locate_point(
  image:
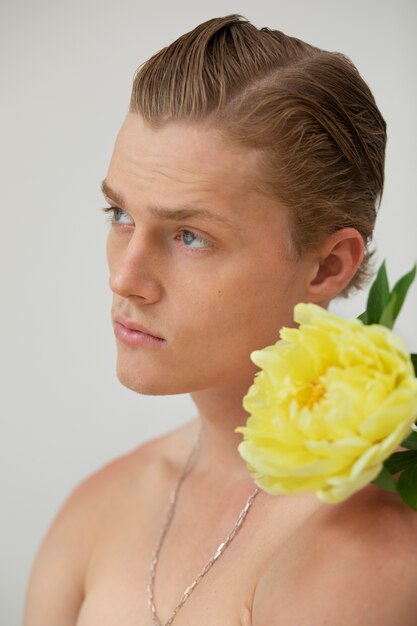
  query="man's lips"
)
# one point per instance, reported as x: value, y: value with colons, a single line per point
x: 131, y: 325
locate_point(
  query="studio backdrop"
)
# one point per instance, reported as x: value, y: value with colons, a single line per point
x: 67, y: 70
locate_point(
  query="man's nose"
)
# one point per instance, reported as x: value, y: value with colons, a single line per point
x: 135, y: 270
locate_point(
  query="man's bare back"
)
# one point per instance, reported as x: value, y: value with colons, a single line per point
x: 94, y: 564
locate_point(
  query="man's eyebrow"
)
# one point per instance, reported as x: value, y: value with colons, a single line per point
x: 170, y: 214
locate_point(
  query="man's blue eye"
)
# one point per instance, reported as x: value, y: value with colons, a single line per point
x: 195, y: 238
x: 117, y: 212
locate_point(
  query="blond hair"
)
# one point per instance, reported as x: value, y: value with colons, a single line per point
x: 320, y: 135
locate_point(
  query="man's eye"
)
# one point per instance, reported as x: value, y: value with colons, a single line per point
x: 189, y: 235
x: 117, y: 214
x: 193, y: 239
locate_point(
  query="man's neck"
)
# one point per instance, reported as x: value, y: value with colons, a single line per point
x: 220, y: 413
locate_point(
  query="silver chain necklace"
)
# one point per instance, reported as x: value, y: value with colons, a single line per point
x: 172, y: 500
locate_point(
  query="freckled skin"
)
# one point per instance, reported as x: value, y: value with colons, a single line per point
x: 215, y: 305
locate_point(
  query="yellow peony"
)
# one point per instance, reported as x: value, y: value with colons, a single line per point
x: 333, y: 401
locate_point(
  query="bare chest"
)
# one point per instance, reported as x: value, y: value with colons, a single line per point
x: 116, y: 590
x: 118, y: 595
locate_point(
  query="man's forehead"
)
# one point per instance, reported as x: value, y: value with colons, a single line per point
x: 158, y: 164
x: 186, y: 146
x: 176, y: 213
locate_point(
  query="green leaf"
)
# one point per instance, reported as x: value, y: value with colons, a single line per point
x: 401, y: 288
x: 378, y: 296
x: 387, y: 317
x: 400, y: 461
x: 414, y: 361
x: 410, y: 442
x: 363, y: 317
x: 385, y: 481
x: 407, y: 487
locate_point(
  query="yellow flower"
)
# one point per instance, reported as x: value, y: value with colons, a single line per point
x: 334, y: 400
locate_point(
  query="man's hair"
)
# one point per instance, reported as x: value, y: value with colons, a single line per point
x: 308, y: 112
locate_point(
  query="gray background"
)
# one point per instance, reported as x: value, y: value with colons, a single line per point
x: 66, y: 70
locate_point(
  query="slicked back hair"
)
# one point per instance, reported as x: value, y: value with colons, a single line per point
x: 310, y: 115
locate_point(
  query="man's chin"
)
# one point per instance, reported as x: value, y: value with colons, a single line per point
x: 142, y: 385
x: 148, y: 384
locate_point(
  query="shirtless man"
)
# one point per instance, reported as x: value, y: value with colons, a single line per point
x: 201, y: 254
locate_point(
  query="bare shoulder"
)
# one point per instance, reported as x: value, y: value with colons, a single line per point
x: 56, y: 586
x: 354, y: 563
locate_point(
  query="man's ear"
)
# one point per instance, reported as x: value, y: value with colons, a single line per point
x: 334, y: 264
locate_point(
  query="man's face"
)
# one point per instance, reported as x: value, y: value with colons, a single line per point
x: 214, y: 291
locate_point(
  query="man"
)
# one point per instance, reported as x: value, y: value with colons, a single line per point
x: 222, y: 221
